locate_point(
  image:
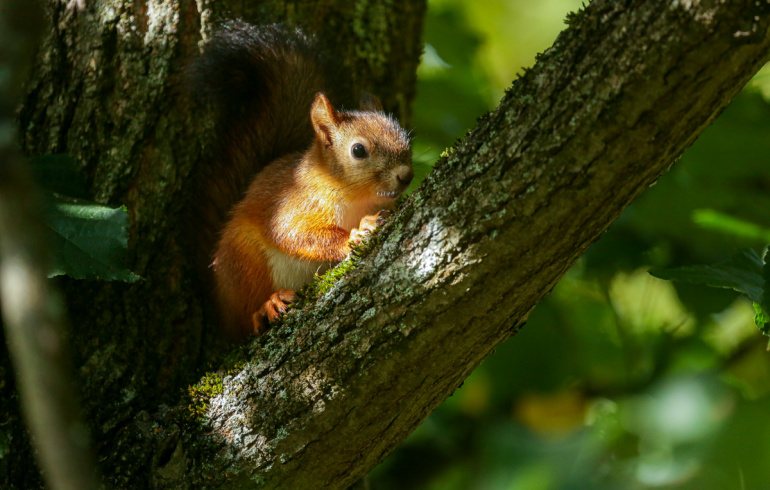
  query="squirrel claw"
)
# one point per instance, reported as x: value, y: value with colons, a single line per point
x: 272, y: 309
x: 368, y: 225
x: 382, y: 216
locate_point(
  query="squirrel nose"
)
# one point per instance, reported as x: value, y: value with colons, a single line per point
x: 404, y: 175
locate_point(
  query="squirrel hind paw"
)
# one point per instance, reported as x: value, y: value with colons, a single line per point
x: 272, y: 309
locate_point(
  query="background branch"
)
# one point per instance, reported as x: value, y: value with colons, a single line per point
x: 33, y: 313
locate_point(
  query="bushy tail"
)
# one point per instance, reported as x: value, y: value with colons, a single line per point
x: 258, y: 84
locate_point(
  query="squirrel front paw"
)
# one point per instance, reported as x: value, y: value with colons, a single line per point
x: 272, y: 309
x: 368, y: 225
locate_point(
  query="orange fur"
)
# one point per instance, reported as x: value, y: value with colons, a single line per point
x: 301, y: 211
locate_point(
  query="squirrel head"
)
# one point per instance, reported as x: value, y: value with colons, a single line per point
x: 367, y: 150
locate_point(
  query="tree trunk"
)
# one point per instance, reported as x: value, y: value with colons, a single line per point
x: 325, y: 396
x: 105, y: 91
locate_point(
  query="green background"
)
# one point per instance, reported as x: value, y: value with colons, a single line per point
x: 618, y: 380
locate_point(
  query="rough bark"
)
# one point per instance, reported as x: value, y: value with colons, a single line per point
x: 324, y: 397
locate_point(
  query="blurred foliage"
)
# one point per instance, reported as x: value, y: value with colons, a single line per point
x: 619, y: 379
x: 745, y: 272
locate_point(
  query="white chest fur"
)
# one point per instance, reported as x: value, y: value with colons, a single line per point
x: 291, y: 272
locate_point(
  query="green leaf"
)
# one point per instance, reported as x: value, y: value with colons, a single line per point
x: 742, y: 272
x: 761, y: 319
x: 89, y: 240
x: 765, y: 303
x: 61, y: 174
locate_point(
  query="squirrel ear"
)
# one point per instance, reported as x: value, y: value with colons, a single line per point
x: 325, y: 118
x: 370, y: 102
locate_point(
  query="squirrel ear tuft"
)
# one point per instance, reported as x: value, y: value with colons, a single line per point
x: 325, y: 118
x: 370, y: 102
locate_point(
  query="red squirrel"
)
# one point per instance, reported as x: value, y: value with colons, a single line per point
x: 318, y: 178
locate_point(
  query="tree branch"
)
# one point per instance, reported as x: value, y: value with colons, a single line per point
x: 323, y: 398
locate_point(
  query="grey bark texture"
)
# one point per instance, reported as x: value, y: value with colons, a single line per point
x: 328, y: 394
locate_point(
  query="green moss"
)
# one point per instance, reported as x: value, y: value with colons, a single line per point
x: 321, y: 284
x: 197, y: 397
x: 258, y: 479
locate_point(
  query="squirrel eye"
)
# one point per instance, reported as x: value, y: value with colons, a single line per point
x: 358, y: 151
